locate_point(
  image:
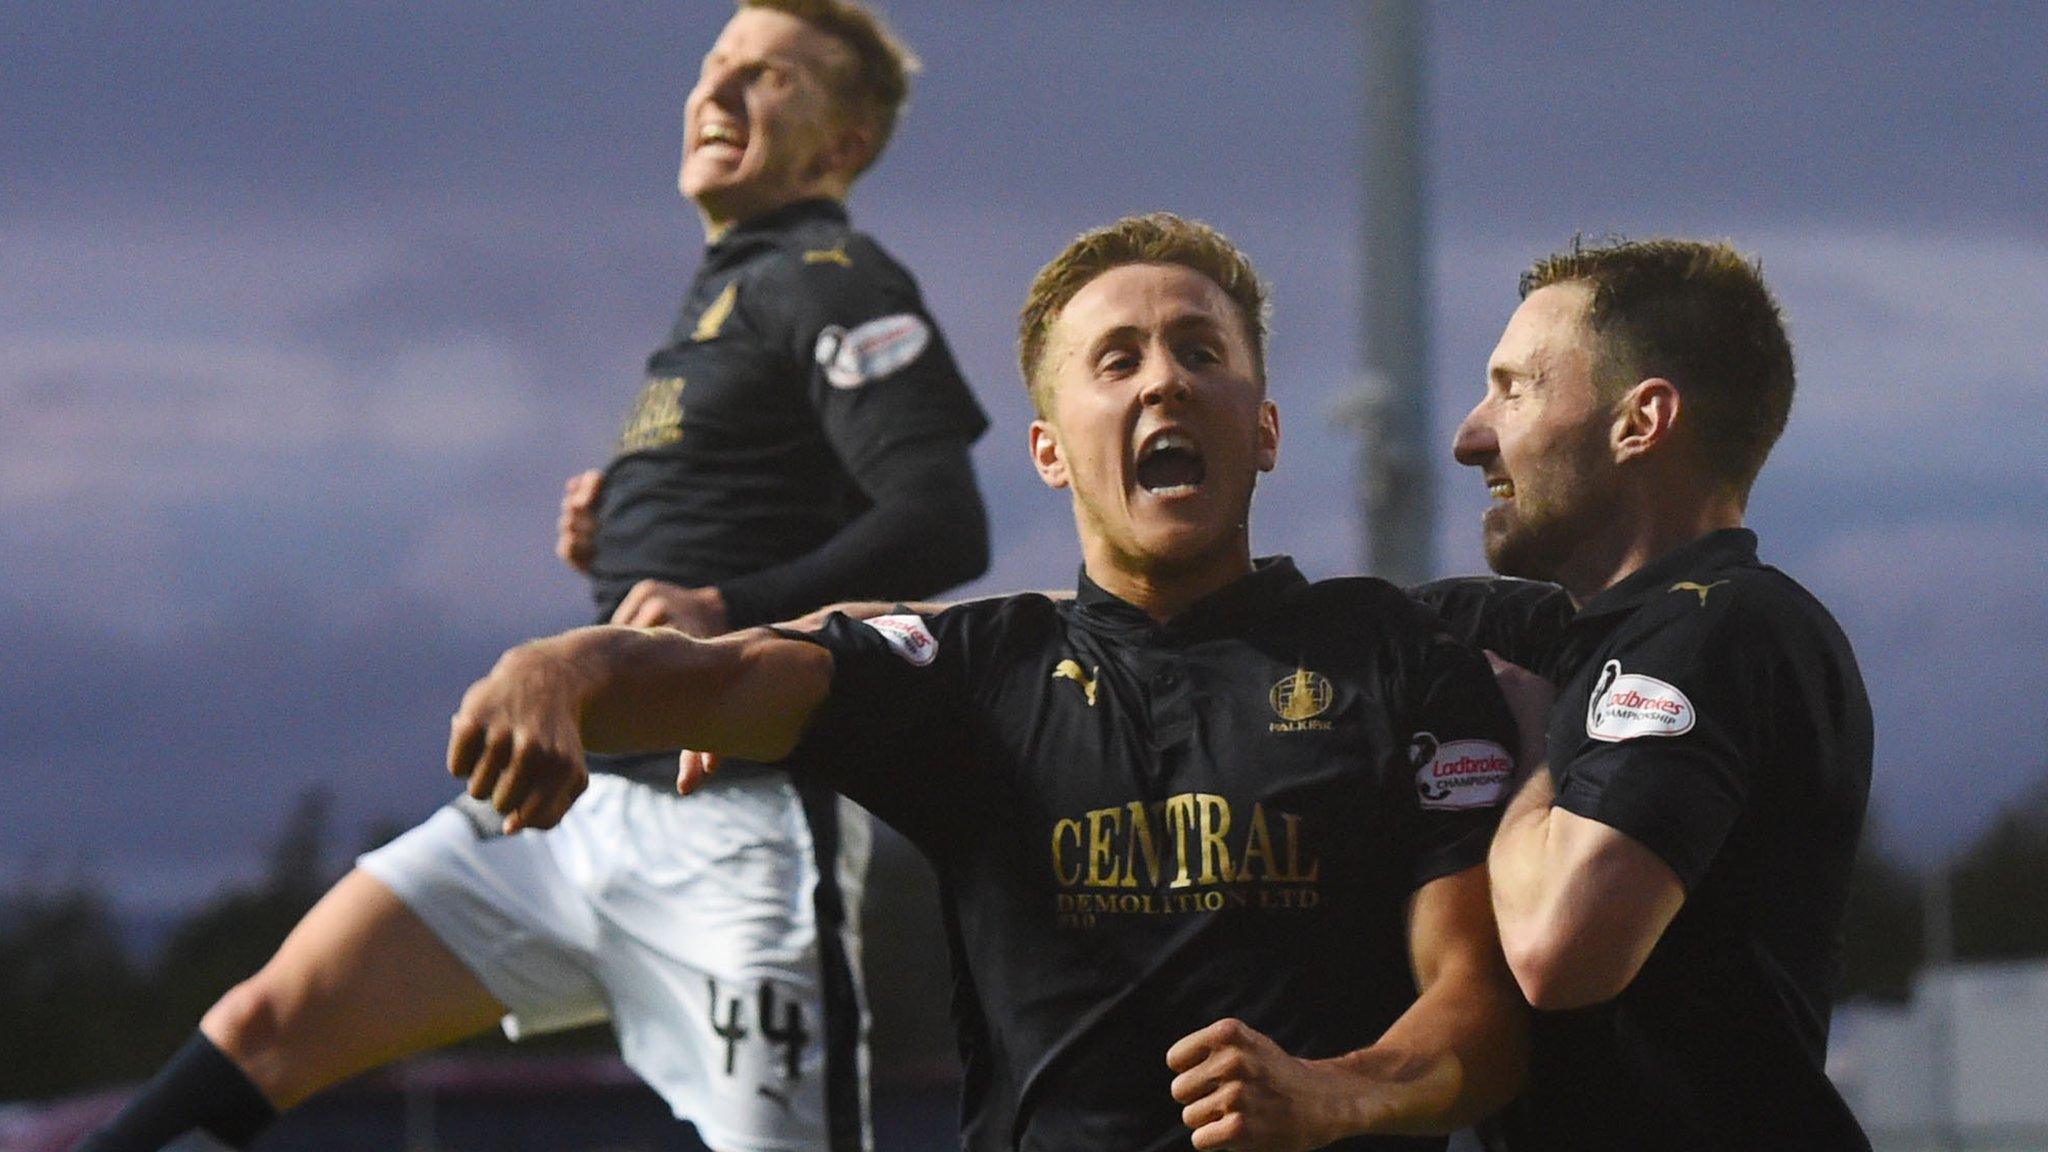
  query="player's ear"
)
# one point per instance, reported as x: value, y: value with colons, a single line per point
x: 1645, y: 418
x: 1046, y: 456
x: 1269, y: 435
x: 852, y: 147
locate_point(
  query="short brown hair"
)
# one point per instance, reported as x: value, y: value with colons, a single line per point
x: 1154, y: 238
x: 1699, y: 315
x: 875, y: 88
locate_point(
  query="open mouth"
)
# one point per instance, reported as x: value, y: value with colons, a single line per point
x: 1170, y: 464
x: 1501, y: 488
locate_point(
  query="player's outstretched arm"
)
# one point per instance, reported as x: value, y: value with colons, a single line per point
x: 864, y: 610
x: 520, y: 734
x: 869, y: 609
x: 695, y: 766
x: 1456, y: 1056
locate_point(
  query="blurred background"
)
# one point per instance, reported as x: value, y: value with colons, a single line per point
x: 306, y: 311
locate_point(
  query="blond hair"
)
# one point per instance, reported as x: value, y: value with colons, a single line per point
x: 1153, y: 238
x: 874, y: 89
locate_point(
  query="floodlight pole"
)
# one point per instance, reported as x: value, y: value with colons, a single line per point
x: 1397, y: 504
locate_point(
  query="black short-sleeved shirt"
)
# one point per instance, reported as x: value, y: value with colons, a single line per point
x: 802, y: 358
x: 1140, y: 829
x: 802, y: 355
x: 1710, y: 709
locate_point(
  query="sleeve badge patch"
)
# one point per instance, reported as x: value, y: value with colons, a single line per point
x: 871, y: 351
x: 907, y: 637
x: 1459, y: 774
x: 1625, y: 705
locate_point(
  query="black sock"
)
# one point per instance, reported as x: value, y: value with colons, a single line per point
x: 197, y: 1087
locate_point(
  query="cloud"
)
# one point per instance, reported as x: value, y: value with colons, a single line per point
x: 98, y: 562
x: 463, y: 397
x: 1949, y: 624
x: 150, y: 484
x: 1903, y: 337
x: 474, y: 570
x: 165, y: 421
x: 199, y: 385
x: 156, y: 418
x: 166, y: 457
x: 108, y: 273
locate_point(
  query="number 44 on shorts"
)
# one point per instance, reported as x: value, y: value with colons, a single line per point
x: 778, y: 1022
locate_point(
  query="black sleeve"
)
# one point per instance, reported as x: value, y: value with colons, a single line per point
x: 896, y: 411
x: 893, y: 733
x: 1665, y: 751
x: 1523, y: 621
x: 880, y: 371
x: 926, y: 531
x: 1460, y: 758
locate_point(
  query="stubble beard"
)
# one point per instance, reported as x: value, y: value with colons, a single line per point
x: 1542, y: 544
x: 1528, y: 550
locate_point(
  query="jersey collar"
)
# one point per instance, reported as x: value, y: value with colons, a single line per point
x: 1718, y: 550
x: 822, y: 209
x: 1270, y: 576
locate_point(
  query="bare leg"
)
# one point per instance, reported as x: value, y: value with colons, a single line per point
x: 359, y: 983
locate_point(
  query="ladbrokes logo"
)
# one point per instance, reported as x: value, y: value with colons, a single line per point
x: 908, y: 637
x: 1457, y: 774
x: 1625, y: 705
x: 1180, y: 855
x: 1298, y: 700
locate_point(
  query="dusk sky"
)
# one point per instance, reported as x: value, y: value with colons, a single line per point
x: 306, y: 311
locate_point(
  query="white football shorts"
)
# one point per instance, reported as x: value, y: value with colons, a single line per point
x: 691, y: 923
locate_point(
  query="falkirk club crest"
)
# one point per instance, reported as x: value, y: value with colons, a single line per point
x: 1299, y: 699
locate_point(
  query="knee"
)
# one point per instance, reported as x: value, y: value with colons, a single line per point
x: 250, y: 1022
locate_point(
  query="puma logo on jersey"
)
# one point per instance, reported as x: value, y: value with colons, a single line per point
x: 713, y: 319
x: 834, y: 255
x: 1071, y: 670
x: 1702, y: 589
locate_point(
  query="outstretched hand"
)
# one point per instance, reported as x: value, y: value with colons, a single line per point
x: 515, y: 739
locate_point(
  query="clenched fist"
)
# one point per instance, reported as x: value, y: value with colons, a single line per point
x: 515, y: 738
